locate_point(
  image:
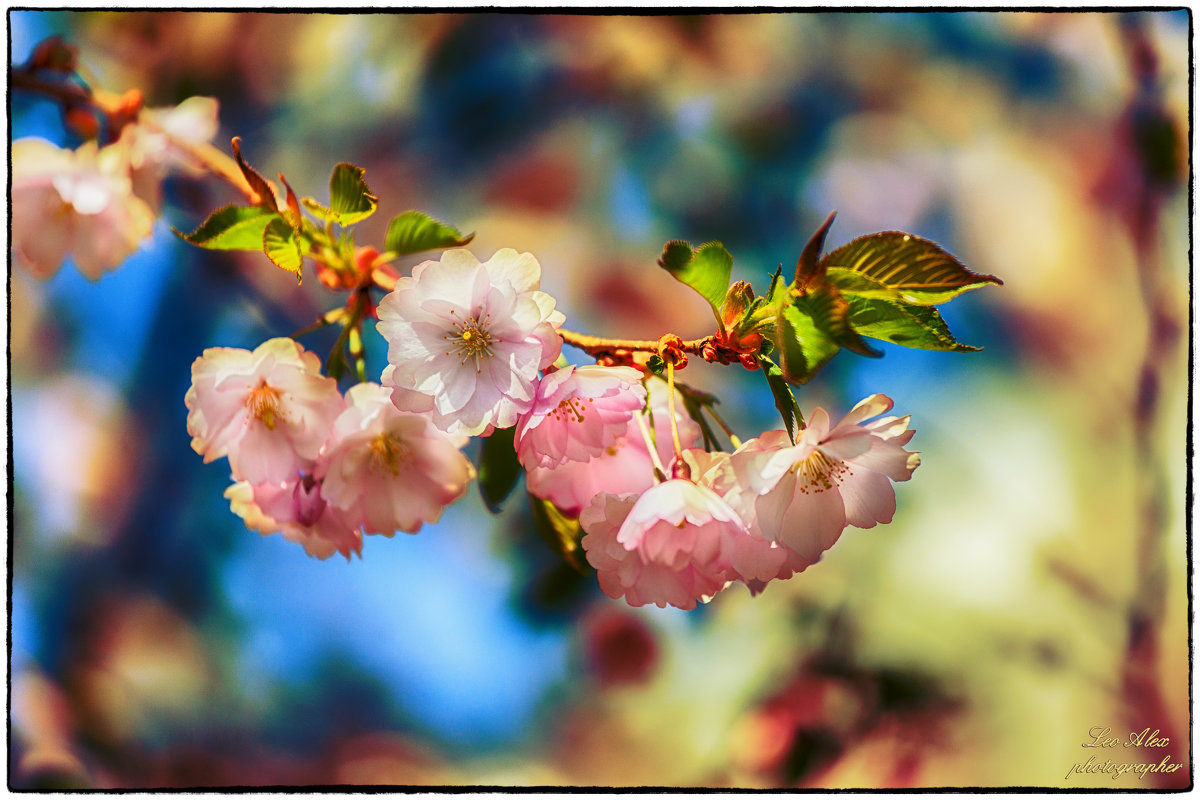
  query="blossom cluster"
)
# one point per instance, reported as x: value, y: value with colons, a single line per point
x: 466, y: 343
x: 98, y: 204
x: 320, y: 467
x: 766, y: 511
x: 473, y: 347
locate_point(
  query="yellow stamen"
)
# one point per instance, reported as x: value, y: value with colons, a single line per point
x: 571, y: 408
x: 471, y: 338
x: 388, y: 452
x: 264, y: 404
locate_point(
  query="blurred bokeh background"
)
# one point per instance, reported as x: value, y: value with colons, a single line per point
x: 1033, y: 585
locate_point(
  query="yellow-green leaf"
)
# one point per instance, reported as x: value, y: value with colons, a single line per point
x: 810, y: 328
x: 415, y: 231
x: 706, y: 269
x: 232, y: 228
x: 350, y: 199
x: 349, y: 196
x: 920, y: 327
x: 802, y: 346
x: 282, y: 246
x: 916, y: 269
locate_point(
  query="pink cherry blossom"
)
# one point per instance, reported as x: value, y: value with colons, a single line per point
x: 269, y: 411
x: 466, y: 339
x: 577, y: 413
x: 752, y: 557
x: 390, y: 469
x: 623, y: 467
x: 831, y: 477
x: 74, y: 203
x: 668, y: 546
x: 157, y: 142
x: 295, y: 511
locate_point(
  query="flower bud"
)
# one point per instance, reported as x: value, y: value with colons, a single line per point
x: 307, y: 503
x: 737, y: 299
x: 670, y: 347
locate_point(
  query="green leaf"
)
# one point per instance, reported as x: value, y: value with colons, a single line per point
x: 776, y: 286
x: 282, y: 246
x: 350, y: 199
x: 563, y: 533
x: 349, y: 196
x: 849, y: 282
x: 232, y: 228
x: 706, y: 269
x: 916, y: 269
x: 317, y: 210
x: 920, y: 327
x: 499, y: 468
x: 830, y: 311
x: 810, y: 328
x: 414, y: 231
x: 785, y: 401
x: 803, y: 347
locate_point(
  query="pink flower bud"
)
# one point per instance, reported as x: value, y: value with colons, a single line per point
x: 307, y: 503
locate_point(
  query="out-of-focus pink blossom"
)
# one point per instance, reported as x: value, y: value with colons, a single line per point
x: 390, y: 469
x: 466, y: 339
x: 623, y: 467
x: 577, y: 413
x: 830, y: 478
x: 280, y: 508
x: 669, y: 546
x: 74, y: 203
x: 269, y: 411
x: 158, y: 141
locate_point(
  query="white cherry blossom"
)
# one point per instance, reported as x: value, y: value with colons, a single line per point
x: 466, y: 339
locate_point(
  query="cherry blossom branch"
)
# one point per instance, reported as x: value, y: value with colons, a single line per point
x: 67, y: 94
x: 602, y: 345
x: 75, y: 96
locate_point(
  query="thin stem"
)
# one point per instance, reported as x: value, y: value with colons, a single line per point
x: 328, y: 318
x: 659, y: 469
x: 671, y: 411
